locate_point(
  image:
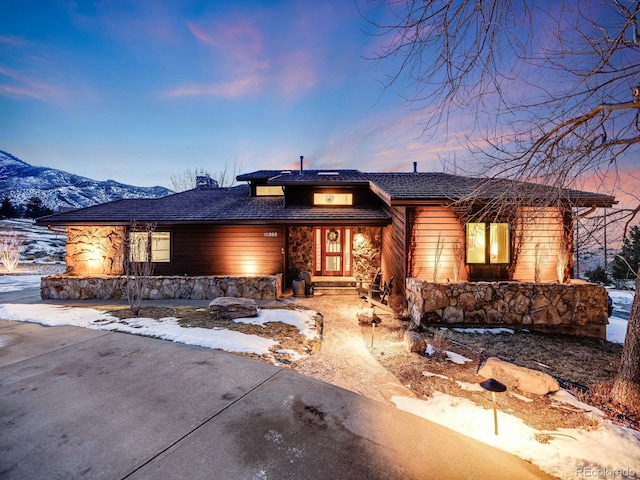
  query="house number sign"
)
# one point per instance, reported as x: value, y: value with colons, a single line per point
x: 270, y: 234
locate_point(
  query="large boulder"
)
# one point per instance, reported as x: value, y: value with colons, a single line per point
x: 523, y: 379
x: 228, y: 308
x: 414, y: 342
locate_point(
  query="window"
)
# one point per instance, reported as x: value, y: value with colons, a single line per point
x: 488, y: 243
x: 269, y: 191
x: 330, y: 198
x: 160, y: 246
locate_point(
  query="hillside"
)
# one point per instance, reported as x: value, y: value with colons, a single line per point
x: 61, y: 190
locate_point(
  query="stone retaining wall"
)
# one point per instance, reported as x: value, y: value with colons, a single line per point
x: 194, y: 288
x: 576, y: 308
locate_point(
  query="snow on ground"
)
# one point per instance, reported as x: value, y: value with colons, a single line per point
x: 304, y: 321
x: 617, y: 327
x: 164, y: 328
x: 15, y: 283
x: 569, y: 453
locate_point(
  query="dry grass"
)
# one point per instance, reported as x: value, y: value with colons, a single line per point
x: 580, y: 361
x: 190, y: 317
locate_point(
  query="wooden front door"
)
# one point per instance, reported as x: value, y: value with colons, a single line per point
x: 332, y: 248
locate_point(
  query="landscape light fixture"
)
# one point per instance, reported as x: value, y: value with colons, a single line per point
x: 375, y: 320
x: 494, y: 386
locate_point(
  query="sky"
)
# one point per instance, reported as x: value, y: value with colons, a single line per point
x: 610, y: 448
x: 139, y: 91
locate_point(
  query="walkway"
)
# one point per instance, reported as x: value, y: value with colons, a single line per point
x: 344, y: 360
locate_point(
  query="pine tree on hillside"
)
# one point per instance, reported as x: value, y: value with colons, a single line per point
x: 36, y: 208
x: 626, y: 267
x: 7, y: 210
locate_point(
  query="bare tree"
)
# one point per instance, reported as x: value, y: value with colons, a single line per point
x: 551, y: 89
x: 225, y: 177
x: 138, y: 263
x: 11, y: 243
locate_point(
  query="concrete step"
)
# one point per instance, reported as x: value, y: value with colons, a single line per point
x: 335, y: 290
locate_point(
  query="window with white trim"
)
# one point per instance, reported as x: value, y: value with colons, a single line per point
x: 160, y: 246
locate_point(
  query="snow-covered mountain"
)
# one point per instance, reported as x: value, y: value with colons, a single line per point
x: 58, y: 189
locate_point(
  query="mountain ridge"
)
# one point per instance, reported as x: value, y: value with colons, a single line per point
x: 59, y: 190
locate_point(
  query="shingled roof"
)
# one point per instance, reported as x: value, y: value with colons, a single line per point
x: 236, y: 206
x: 216, y: 205
x: 398, y: 188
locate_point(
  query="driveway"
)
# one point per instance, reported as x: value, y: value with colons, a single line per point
x: 79, y: 403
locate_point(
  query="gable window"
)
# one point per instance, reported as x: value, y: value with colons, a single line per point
x: 160, y: 246
x: 488, y: 243
x: 269, y: 191
x: 332, y: 198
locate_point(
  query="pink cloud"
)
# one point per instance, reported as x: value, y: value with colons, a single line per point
x: 240, y: 87
x: 12, y: 40
x: 297, y: 73
x: 24, y: 86
x: 240, y: 43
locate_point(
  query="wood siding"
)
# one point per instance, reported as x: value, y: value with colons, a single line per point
x: 437, y: 233
x: 534, y: 230
x: 224, y: 250
x: 394, y: 252
x: 540, y: 229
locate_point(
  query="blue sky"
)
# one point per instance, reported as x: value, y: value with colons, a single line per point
x: 142, y: 90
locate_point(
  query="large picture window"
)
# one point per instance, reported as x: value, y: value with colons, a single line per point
x: 160, y: 246
x: 488, y: 243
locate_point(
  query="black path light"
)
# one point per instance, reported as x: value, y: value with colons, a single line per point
x: 375, y: 320
x: 494, y: 386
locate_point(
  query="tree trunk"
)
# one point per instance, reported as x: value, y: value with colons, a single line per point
x: 626, y: 389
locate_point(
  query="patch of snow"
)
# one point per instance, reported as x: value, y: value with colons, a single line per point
x: 293, y: 355
x: 471, y: 387
x: 15, y: 283
x: 165, y: 328
x: 430, y: 350
x: 564, y: 396
x: 303, y: 320
x: 494, y: 331
x: 520, y: 397
x: 610, y: 447
x: 457, y: 358
x: 431, y: 374
x: 617, y: 329
x: 621, y: 297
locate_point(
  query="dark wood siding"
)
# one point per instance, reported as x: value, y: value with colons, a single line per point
x: 394, y: 252
x: 303, y: 195
x: 224, y: 250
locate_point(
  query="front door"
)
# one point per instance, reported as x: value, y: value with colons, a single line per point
x: 332, y: 251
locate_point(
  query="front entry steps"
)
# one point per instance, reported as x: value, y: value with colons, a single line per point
x: 335, y: 285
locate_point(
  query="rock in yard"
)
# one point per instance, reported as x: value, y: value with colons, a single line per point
x: 513, y: 376
x: 413, y: 342
x: 228, y: 308
x: 367, y: 315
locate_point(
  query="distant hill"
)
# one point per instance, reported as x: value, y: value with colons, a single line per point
x: 62, y: 190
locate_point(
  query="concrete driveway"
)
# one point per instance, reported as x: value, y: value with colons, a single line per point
x: 79, y: 403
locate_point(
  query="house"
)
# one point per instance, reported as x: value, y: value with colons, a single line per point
x: 340, y: 223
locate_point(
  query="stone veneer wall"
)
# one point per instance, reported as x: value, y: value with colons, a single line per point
x: 93, y: 250
x: 367, y: 242
x: 300, y: 251
x: 576, y: 308
x: 194, y: 288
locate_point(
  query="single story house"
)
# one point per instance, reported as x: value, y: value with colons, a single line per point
x: 343, y: 224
